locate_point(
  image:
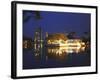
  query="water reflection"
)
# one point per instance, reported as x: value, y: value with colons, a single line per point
x: 62, y: 50
x: 55, y: 56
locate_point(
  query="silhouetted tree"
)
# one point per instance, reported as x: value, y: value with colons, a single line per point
x: 86, y: 37
x: 72, y: 35
x: 37, y: 15
x: 34, y: 14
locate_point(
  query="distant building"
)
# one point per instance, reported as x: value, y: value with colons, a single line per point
x: 61, y: 40
x: 46, y: 34
x: 38, y: 42
x: 27, y: 43
x: 55, y: 39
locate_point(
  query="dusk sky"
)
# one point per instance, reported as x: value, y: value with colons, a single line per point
x: 56, y: 22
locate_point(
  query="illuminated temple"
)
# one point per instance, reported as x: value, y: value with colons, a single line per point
x: 63, y: 44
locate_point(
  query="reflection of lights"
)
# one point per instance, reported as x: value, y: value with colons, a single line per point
x: 78, y: 45
x: 65, y: 49
x: 70, y: 51
x: 36, y: 54
x: 68, y: 46
x: 83, y: 48
x: 61, y: 50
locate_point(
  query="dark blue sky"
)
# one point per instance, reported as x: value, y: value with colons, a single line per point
x: 54, y: 22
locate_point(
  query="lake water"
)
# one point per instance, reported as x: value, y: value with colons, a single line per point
x: 53, y: 57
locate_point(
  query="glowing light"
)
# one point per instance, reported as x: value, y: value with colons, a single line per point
x: 68, y: 46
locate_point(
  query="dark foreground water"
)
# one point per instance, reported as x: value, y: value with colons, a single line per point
x: 48, y: 57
